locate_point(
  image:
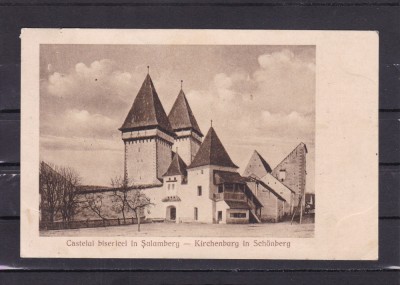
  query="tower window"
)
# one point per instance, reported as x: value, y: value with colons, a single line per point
x: 282, y: 175
x: 199, y: 191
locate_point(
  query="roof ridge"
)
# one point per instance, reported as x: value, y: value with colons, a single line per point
x: 181, y: 115
x: 278, y: 181
x: 264, y: 162
x: 269, y: 188
x: 212, y: 152
x: 178, y: 164
x: 190, y: 112
x: 289, y: 154
x: 147, y: 110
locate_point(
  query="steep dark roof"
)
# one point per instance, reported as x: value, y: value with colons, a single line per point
x: 265, y: 164
x: 147, y: 110
x: 212, y: 152
x: 177, y: 167
x: 257, y: 166
x: 181, y: 116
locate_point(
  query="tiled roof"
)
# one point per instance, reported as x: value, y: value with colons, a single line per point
x: 262, y: 183
x: 237, y: 205
x: 87, y: 189
x: 212, y: 152
x: 93, y: 188
x: 269, y: 175
x: 181, y: 116
x: 257, y: 166
x: 147, y: 110
x: 177, y: 167
x: 221, y: 177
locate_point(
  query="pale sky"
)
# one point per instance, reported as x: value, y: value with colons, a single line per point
x: 259, y: 97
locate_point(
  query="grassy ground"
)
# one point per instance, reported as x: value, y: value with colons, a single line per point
x: 283, y: 230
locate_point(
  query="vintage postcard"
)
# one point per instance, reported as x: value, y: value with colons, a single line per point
x: 225, y: 144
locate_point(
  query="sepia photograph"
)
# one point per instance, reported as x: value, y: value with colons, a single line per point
x: 216, y: 144
x: 161, y: 140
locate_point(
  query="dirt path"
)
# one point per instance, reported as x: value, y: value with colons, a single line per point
x: 283, y: 230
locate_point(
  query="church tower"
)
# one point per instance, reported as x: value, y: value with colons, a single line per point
x: 148, y: 138
x: 188, y: 135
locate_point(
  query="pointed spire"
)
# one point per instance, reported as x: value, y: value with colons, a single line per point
x: 181, y: 116
x: 181, y: 84
x: 212, y: 152
x: 177, y: 166
x: 147, y: 111
x: 148, y: 70
x: 257, y: 166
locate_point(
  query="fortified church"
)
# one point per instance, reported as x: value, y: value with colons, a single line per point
x: 191, y: 178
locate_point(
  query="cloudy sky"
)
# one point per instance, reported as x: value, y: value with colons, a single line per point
x: 259, y: 97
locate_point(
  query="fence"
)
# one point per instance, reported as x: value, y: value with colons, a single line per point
x: 229, y: 196
x: 89, y: 223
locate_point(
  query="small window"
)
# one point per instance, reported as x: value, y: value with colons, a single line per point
x: 196, y: 214
x: 173, y: 186
x: 282, y: 175
x: 169, y: 185
x: 220, y: 188
x: 201, y: 171
x: 238, y: 215
x: 199, y: 191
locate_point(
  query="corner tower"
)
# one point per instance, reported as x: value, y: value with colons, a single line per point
x: 148, y: 137
x: 188, y: 135
x: 213, y: 153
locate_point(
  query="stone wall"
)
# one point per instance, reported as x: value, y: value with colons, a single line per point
x: 292, y: 171
x: 141, y: 163
x: 164, y: 156
x: 187, y: 145
x: 270, y: 211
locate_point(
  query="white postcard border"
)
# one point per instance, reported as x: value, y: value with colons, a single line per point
x: 346, y: 153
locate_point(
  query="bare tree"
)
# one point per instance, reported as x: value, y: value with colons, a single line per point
x: 129, y: 198
x: 120, y: 195
x: 95, y: 203
x: 58, y: 192
x: 68, y: 196
x: 49, y: 190
x: 137, y: 201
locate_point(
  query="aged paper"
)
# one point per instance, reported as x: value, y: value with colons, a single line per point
x: 225, y: 144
